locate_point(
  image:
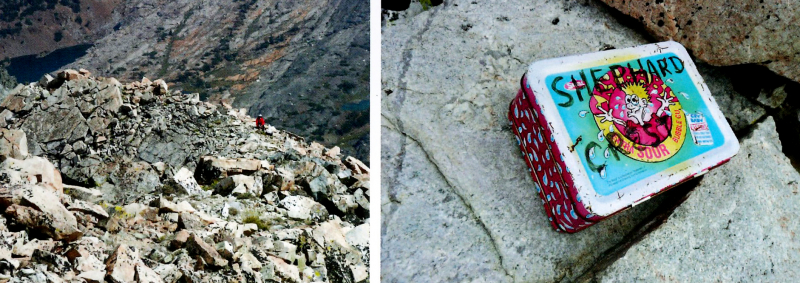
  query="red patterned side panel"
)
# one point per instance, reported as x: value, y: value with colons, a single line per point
x: 543, y: 167
x: 565, y: 174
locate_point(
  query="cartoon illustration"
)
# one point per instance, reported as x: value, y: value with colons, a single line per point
x: 637, y: 108
x: 644, y: 111
x: 634, y: 119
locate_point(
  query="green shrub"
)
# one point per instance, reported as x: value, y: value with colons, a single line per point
x: 168, y: 188
x: 346, y: 86
x: 252, y: 216
x: 425, y: 4
x: 245, y: 196
x: 211, y: 186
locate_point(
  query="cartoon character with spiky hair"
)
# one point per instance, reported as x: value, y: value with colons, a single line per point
x: 636, y: 102
x: 638, y: 114
x: 641, y: 119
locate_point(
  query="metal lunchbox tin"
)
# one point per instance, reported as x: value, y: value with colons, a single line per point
x: 605, y: 131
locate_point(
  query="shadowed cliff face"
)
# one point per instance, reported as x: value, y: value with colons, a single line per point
x: 302, y: 64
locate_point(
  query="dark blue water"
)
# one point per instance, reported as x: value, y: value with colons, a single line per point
x: 358, y: 106
x: 29, y: 68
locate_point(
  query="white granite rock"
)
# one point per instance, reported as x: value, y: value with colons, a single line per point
x: 185, y: 179
x: 457, y: 201
x: 304, y: 208
x: 739, y: 224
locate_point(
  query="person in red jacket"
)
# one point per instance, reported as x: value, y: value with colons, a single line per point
x: 260, y: 122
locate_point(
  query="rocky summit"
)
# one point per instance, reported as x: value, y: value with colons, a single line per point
x: 105, y: 181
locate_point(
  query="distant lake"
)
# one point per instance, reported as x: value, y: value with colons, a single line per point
x: 29, y: 68
x: 357, y: 106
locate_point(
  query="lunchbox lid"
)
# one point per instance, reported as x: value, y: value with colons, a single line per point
x: 630, y: 122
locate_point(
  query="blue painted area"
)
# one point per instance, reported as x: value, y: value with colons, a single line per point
x: 31, y: 68
x: 626, y: 171
x: 362, y: 105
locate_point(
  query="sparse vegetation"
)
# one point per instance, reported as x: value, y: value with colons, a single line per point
x: 74, y: 5
x: 120, y: 212
x: 165, y: 60
x: 168, y: 188
x: 425, y: 4
x: 210, y: 186
x: 12, y: 10
x: 353, y: 120
x: 9, y: 31
x: 162, y: 238
x: 252, y: 216
x: 151, y: 54
x: 245, y: 196
x: 346, y: 86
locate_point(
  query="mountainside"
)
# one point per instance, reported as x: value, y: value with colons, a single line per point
x: 136, y: 182
x: 42, y: 26
x: 302, y: 64
x: 299, y: 63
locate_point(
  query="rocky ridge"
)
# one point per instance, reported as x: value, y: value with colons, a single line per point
x: 101, y: 180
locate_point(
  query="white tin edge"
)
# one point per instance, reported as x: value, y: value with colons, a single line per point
x: 632, y: 194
